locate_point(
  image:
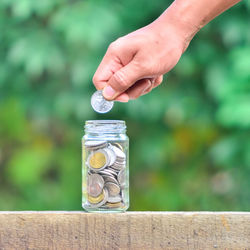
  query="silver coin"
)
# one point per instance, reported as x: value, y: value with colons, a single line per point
x: 95, y: 184
x: 110, y: 179
x: 118, y: 167
x: 116, y: 144
x: 101, y: 203
x: 114, y: 199
x: 112, y: 156
x: 120, y: 155
x: 122, y: 177
x: 111, y: 171
x: 100, y: 104
x: 113, y: 189
x: 105, y: 173
x: 95, y: 144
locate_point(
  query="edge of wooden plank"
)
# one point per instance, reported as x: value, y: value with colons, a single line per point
x: 129, y: 230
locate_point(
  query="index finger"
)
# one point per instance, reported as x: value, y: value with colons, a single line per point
x: 105, y: 70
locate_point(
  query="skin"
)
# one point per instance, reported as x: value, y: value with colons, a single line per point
x: 135, y: 63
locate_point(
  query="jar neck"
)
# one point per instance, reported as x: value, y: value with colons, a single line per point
x: 100, y: 127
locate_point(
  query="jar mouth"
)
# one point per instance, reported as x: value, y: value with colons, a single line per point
x: 105, y: 126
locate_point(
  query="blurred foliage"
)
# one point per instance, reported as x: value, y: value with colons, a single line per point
x: 190, y: 147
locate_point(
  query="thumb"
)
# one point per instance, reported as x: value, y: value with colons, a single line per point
x: 123, y: 79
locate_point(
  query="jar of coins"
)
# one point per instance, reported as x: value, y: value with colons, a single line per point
x: 105, y: 172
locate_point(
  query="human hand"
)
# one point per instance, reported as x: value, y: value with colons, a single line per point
x: 134, y: 64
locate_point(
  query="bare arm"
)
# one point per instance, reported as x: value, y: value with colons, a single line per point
x: 134, y: 64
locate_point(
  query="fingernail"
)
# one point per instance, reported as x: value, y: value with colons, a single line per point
x: 108, y: 92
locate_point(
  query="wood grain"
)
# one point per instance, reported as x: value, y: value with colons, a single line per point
x: 131, y: 230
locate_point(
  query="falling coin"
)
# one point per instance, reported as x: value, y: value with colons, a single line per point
x: 100, y: 104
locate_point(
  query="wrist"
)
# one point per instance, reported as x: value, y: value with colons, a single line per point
x: 180, y: 18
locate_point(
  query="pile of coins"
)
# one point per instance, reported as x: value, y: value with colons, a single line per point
x: 106, y: 177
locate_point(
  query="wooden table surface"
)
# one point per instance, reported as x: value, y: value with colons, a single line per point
x: 130, y: 230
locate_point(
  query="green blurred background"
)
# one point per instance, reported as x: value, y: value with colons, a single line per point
x: 189, y: 138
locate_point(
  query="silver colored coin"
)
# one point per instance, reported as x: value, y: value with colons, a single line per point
x: 114, y: 199
x: 112, y: 156
x: 110, y: 179
x: 105, y: 173
x: 116, y: 144
x: 122, y: 177
x: 111, y: 171
x: 95, y: 184
x: 100, y: 104
x: 118, y: 167
x: 120, y: 155
x: 95, y: 144
x: 113, y: 189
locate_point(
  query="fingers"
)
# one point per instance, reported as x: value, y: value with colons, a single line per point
x: 105, y: 70
x: 122, y: 98
x: 122, y: 79
x: 138, y: 88
x: 156, y: 82
x: 118, y: 54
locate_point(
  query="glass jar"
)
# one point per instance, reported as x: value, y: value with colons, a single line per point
x: 105, y: 166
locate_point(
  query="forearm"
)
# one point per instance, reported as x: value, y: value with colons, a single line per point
x: 191, y: 15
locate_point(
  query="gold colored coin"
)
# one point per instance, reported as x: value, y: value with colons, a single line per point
x: 95, y: 200
x: 97, y: 160
x: 114, y: 205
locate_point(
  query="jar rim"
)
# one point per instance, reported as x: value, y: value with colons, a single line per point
x: 118, y: 122
x: 105, y: 126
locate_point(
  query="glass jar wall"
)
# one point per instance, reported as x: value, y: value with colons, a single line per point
x: 105, y: 166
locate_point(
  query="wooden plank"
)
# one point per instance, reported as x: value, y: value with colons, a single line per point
x: 131, y: 230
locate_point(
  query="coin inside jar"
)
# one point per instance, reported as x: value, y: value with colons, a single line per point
x: 96, y: 200
x: 114, y: 205
x: 95, y: 144
x: 121, y: 177
x: 98, y: 160
x: 108, y: 178
x: 95, y: 184
x: 112, y: 156
x: 114, y: 199
x: 117, y: 145
x: 113, y: 189
x: 120, y: 155
x: 100, y: 200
